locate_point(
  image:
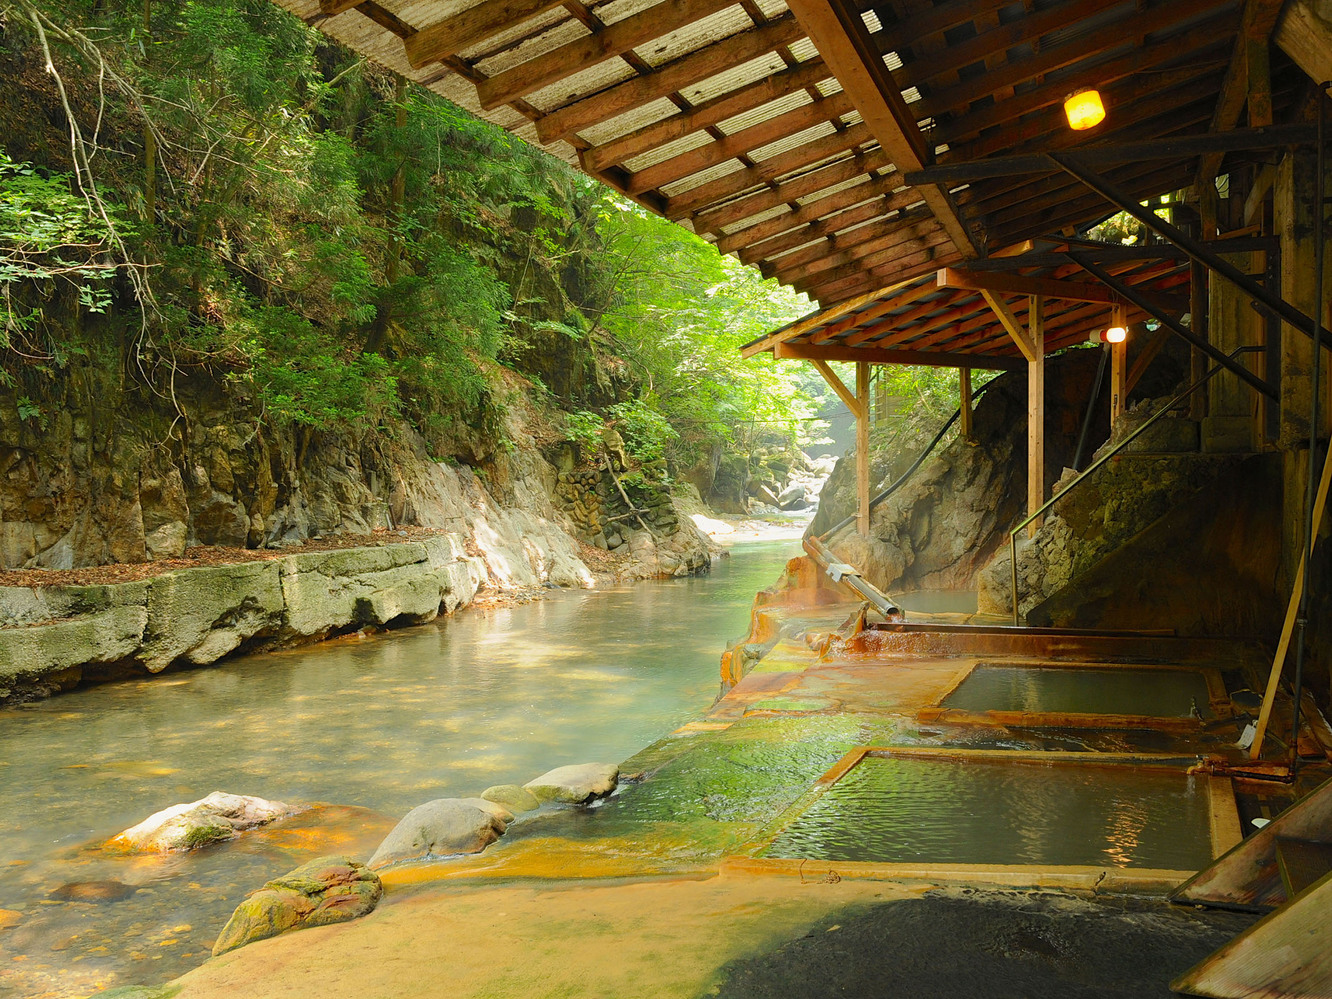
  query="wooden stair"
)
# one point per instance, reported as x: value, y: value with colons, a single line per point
x: 1285, y: 868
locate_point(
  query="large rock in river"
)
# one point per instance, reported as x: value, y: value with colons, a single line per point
x: 577, y: 784
x: 444, y: 827
x: 220, y: 816
x: 325, y: 890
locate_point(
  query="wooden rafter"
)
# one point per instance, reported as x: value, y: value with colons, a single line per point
x: 875, y: 356
x: 1256, y: 24
x: 698, y: 65
x: 841, y: 37
x: 444, y: 38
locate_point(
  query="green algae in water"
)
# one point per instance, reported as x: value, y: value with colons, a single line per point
x: 890, y: 810
x: 1155, y: 693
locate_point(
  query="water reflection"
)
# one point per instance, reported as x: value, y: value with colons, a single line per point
x: 381, y: 724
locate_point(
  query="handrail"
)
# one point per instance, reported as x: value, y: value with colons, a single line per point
x: 1012, y: 535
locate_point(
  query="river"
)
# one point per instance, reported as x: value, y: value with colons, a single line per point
x: 374, y: 726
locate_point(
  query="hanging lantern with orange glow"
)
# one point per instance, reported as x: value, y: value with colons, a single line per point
x: 1084, y: 109
x: 1115, y: 334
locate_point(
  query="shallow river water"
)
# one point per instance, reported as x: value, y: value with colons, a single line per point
x: 380, y: 724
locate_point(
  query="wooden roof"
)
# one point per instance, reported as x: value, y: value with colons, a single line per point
x: 785, y: 134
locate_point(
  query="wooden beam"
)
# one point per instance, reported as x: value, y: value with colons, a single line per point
x: 811, y: 321
x: 1256, y: 24
x: 1036, y: 411
x: 710, y: 193
x: 874, y: 355
x: 708, y: 61
x: 1005, y: 112
x: 1178, y: 147
x: 865, y: 249
x: 453, y: 34
x: 821, y: 178
x: 1049, y: 58
x: 821, y: 210
x: 1015, y: 284
x: 965, y: 428
x: 583, y: 53
x: 1118, y: 367
x: 709, y: 113
x: 1304, y: 34
x: 1019, y: 335
x: 737, y: 144
x: 837, y: 385
x: 839, y: 33
x: 896, y: 260
x: 862, y: 450
x: 905, y: 209
x: 332, y: 8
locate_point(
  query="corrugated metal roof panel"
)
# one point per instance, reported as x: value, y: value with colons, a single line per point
x: 695, y: 36
x: 823, y: 128
x: 734, y: 78
x: 580, y: 85
x: 630, y: 121
x: 713, y: 173
x: 533, y: 48
x: 773, y: 109
x: 693, y: 140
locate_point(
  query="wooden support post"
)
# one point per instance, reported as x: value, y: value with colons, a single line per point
x: 1118, y: 367
x: 1036, y: 411
x: 1199, y: 307
x: 964, y: 390
x: 862, y: 450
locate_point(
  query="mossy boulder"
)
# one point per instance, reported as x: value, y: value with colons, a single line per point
x: 323, y: 891
x: 575, y: 785
x: 189, y: 826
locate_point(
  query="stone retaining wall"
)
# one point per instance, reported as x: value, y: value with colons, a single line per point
x: 60, y: 635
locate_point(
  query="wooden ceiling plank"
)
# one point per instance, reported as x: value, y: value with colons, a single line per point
x: 864, y: 271
x: 732, y: 184
x: 453, y: 34
x: 956, y: 130
x: 1107, y: 153
x: 870, y: 252
x: 1078, y: 291
x: 809, y: 213
x: 713, y: 219
x: 812, y: 320
x: 738, y: 143
x: 875, y: 312
x: 771, y: 250
x: 1047, y: 60
x: 840, y: 35
x: 876, y: 356
x: 864, y: 236
x: 868, y: 256
x: 891, y: 323
x: 840, y: 286
x: 987, y: 44
x: 708, y: 113
x: 679, y: 74
x: 583, y: 53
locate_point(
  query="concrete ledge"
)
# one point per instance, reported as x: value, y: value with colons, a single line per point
x: 200, y: 615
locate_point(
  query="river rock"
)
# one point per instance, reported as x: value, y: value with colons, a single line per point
x: 511, y: 796
x: 444, y: 827
x: 325, y: 890
x: 93, y: 891
x: 220, y: 816
x: 575, y: 785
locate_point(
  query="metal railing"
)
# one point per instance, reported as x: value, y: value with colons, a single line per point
x: 1172, y: 404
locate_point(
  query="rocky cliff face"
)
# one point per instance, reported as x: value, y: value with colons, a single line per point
x: 952, y: 515
x: 109, y: 479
